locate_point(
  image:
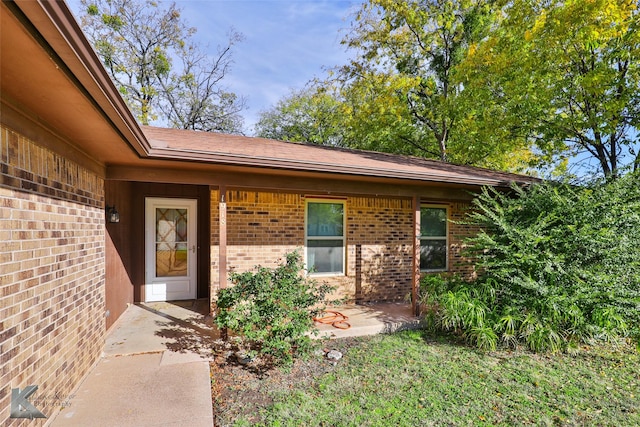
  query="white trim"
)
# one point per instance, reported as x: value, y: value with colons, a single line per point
x: 335, y: 201
x: 178, y: 287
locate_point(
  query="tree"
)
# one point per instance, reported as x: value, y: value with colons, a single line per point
x: 307, y: 115
x: 564, y: 75
x: 401, y: 93
x: 193, y: 98
x: 375, y: 116
x: 417, y: 45
x: 138, y: 42
x: 366, y: 114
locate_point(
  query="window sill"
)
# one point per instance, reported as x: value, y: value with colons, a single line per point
x: 336, y: 274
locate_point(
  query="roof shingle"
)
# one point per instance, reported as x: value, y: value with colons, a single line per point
x: 216, y: 148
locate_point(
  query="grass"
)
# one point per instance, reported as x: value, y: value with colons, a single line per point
x: 405, y: 379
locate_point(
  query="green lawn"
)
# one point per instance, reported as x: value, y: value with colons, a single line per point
x: 407, y: 379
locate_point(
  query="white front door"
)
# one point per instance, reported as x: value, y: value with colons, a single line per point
x: 170, y: 249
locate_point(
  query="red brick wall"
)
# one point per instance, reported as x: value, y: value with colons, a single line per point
x: 52, y: 247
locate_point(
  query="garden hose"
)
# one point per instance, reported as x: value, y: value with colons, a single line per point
x: 333, y: 318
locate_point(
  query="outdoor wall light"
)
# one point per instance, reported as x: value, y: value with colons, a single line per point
x: 112, y: 214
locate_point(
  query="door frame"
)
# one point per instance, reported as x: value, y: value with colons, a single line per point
x: 150, y: 204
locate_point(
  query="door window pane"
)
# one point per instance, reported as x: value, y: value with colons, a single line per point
x: 171, y: 242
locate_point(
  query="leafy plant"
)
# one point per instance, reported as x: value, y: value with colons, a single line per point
x: 272, y: 309
x: 559, y: 265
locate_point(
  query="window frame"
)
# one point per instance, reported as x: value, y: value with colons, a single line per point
x: 444, y: 238
x: 342, y: 202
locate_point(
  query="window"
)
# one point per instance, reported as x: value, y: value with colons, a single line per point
x: 433, y: 238
x: 324, y: 236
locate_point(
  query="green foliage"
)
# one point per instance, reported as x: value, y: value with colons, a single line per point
x: 309, y: 115
x: 93, y: 10
x: 272, y: 309
x: 560, y: 265
x: 511, y: 85
x: 564, y: 75
x: 420, y: 44
x: 162, y: 74
x: 400, y: 92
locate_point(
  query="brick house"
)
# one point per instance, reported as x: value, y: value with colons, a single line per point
x: 97, y: 212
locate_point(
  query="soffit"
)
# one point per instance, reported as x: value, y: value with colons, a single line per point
x: 42, y: 75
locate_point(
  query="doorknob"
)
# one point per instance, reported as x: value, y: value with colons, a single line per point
x: 193, y: 249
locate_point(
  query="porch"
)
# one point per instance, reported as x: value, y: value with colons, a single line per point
x: 185, y: 328
x: 369, y: 319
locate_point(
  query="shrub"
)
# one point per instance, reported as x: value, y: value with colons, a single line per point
x: 560, y: 265
x: 272, y: 309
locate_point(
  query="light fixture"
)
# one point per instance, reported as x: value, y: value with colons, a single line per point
x: 112, y: 214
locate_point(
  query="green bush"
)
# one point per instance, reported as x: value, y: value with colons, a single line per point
x: 272, y: 309
x: 560, y: 265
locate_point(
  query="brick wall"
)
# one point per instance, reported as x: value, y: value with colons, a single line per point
x: 263, y: 226
x: 380, y: 248
x: 51, y: 273
x: 458, y: 263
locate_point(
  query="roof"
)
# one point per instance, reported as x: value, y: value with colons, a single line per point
x: 267, y: 153
x: 50, y: 72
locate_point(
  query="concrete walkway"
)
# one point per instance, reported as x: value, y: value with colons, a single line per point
x: 155, y: 371
x: 155, y: 367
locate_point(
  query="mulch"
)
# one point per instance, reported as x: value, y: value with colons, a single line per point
x: 243, y: 390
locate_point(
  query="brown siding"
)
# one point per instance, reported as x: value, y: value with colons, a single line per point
x: 119, y: 280
x: 52, y: 272
x: 135, y: 239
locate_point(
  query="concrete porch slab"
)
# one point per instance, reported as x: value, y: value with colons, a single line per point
x: 371, y: 319
x: 139, y: 391
x: 178, y: 326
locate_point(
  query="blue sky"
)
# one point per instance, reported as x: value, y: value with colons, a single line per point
x: 287, y: 42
